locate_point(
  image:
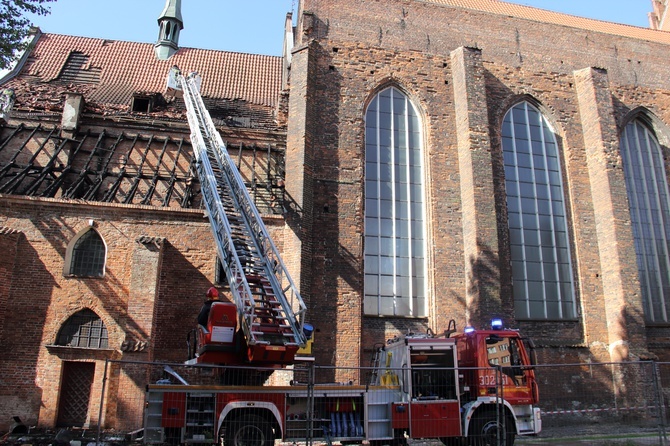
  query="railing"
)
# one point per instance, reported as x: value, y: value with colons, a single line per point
x: 597, y: 404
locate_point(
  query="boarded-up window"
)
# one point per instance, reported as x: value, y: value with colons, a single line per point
x: 395, y: 242
x: 649, y: 199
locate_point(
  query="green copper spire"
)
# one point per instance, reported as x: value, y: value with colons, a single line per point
x: 170, y: 23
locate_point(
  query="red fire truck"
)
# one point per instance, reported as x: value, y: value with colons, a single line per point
x: 475, y: 387
x: 478, y: 385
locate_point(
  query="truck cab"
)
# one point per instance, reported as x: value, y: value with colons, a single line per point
x: 497, y: 366
x: 478, y: 384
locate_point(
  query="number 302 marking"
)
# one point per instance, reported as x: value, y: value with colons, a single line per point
x: 490, y: 380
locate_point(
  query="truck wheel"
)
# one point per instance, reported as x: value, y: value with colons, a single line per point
x: 399, y: 438
x: 249, y: 430
x: 485, y: 429
x: 452, y: 441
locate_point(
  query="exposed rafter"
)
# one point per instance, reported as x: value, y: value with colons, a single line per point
x: 153, y: 170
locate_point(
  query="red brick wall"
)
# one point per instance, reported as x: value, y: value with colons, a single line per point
x: 300, y: 163
x: 9, y: 241
x: 148, y: 300
x: 358, y: 47
x: 453, y: 63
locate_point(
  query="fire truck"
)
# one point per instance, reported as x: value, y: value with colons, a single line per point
x: 475, y: 386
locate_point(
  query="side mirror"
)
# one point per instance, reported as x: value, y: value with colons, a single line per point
x: 531, y: 350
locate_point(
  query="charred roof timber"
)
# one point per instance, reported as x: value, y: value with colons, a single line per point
x: 150, y: 170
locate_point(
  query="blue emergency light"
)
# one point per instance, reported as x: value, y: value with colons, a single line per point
x: 496, y: 324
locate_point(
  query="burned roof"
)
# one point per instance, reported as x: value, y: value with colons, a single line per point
x: 125, y: 168
x: 111, y: 73
x: 135, y: 159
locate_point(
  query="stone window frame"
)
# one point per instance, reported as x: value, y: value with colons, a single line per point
x: 395, y: 294
x: 656, y: 311
x: 544, y: 268
x: 97, y: 263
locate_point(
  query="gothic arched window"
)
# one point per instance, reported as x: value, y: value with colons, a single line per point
x: 83, y: 329
x: 647, y: 188
x: 539, y: 238
x: 395, y: 243
x: 86, y: 255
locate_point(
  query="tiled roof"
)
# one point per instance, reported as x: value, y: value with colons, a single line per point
x: 557, y: 18
x: 128, y: 67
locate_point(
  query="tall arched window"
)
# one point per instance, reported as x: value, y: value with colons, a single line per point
x: 541, y: 263
x: 395, y: 245
x: 86, y: 255
x: 83, y: 329
x: 650, y: 215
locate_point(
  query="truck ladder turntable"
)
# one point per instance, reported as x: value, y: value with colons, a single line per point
x: 269, y: 306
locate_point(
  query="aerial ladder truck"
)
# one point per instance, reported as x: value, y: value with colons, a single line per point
x: 265, y: 324
x: 477, y: 387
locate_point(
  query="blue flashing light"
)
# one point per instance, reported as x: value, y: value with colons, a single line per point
x: 469, y: 329
x: 496, y: 324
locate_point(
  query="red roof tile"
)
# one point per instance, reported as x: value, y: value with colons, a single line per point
x: 127, y: 67
x: 557, y: 18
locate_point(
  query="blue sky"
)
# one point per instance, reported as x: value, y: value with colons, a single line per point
x: 252, y: 26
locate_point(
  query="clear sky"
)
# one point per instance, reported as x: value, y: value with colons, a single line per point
x: 252, y: 26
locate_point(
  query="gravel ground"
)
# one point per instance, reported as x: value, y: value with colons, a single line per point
x: 594, y: 435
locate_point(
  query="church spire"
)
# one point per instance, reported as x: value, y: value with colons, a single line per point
x: 170, y: 23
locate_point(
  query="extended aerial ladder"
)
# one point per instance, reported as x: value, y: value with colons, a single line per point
x: 269, y: 307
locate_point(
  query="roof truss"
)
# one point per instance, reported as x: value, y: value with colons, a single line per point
x: 124, y: 168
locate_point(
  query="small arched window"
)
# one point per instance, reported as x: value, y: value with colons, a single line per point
x: 86, y: 255
x: 83, y: 329
x: 649, y: 203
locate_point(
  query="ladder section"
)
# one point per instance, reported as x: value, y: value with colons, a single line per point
x: 270, y: 308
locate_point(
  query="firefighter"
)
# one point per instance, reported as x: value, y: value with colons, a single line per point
x: 212, y: 296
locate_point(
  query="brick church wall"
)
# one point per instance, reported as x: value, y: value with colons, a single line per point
x: 463, y: 70
x: 145, y: 300
x: 360, y: 47
x: 9, y: 242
